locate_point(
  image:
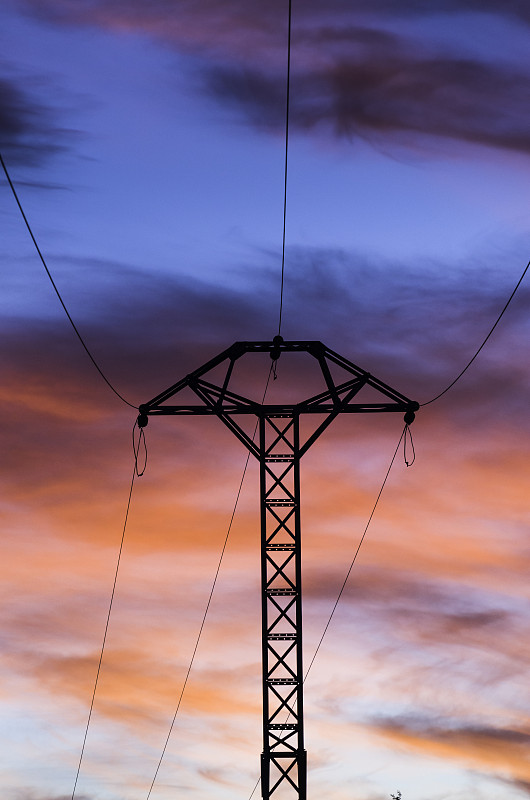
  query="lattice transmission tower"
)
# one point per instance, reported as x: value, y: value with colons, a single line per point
x: 279, y: 448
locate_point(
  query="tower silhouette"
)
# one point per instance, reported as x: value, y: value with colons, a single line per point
x: 279, y: 448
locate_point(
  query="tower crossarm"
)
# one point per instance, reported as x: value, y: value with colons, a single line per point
x: 216, y: 398
x: 190, y: 409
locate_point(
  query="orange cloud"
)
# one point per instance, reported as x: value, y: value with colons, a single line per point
x: 499, y: 752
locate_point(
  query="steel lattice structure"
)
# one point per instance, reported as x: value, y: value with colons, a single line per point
x: 279, y: 449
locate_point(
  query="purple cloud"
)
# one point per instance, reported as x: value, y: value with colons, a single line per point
x: 28, y: 134
x: 351, y: 75
x: 412, y: 329
x: 389, y: 94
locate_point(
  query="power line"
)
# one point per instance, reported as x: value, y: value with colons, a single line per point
x: 220, y: 561
x: 285, y: 172
x: 271, y: 372
x: 106, y: 627
x: 356, y: 552
x: 48, y: 273
x: 483, y: 343
x: 214, y: 583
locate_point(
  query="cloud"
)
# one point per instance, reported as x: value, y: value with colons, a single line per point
x: 421, y: 316
x: 28, y: 134
x: 351, y: 75
x: 141, y: 686
x: 31, y: 794
x: 523, y: 786
x: 515, y: 8
x: 421, y: 609
x: 390, y: 96
x: 496, y: 750
x: 161, y: 17
x: 410, y: 330
x: 67, y: 458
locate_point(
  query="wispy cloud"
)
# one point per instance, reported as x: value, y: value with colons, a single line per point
x: 352, y: 76
x: 494, y: 749
x: 424, y: 315
x: 162, y: 17
x: 29, y: 133
x: 390, y: 95
x: 31, y: 794
x: 432, y: 601
x: 413, y: 329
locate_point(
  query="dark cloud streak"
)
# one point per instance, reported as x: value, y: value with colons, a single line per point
x: 392, y: 96
x: 411, y: 328
x: 351, y: 74
x: 518, y: 9
x: 436, y: 729
x: 27, y: 132
x: 258, y: 15
x: 30, y: 794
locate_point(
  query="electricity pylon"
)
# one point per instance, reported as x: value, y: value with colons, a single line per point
x: 279, y: 448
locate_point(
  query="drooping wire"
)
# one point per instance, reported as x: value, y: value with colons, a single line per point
x: 345, y: 581
x: 48, y: 273
x: 285, y: 171
x: 199, y: 635
x: 214, y: 583
x: 106, y: 630
x: 141, y: 444
x: 356, y: 553
x: 483, y: 343
x: 272, y: 372
x: 407, y: 436
x: 254, y: 789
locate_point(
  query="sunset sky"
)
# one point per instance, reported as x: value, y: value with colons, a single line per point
x: 146, y: 143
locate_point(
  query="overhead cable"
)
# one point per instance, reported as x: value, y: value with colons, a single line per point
x: 106, y: 627
x: 199, y: 635
x: 483, y: 343
x: 72, y: 323
x: 214, y: 583
x: 345, y: 581
x: 285, y: 171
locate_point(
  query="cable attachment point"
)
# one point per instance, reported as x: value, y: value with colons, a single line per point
x: 410, y: 414
x: 276, y: 352
x: 143, y: 419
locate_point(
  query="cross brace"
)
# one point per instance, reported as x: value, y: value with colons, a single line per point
x: 283, y: 763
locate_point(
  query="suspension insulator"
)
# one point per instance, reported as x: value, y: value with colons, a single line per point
x: 410, y: 416
x: 143, y: 419
x: 276, y: 352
